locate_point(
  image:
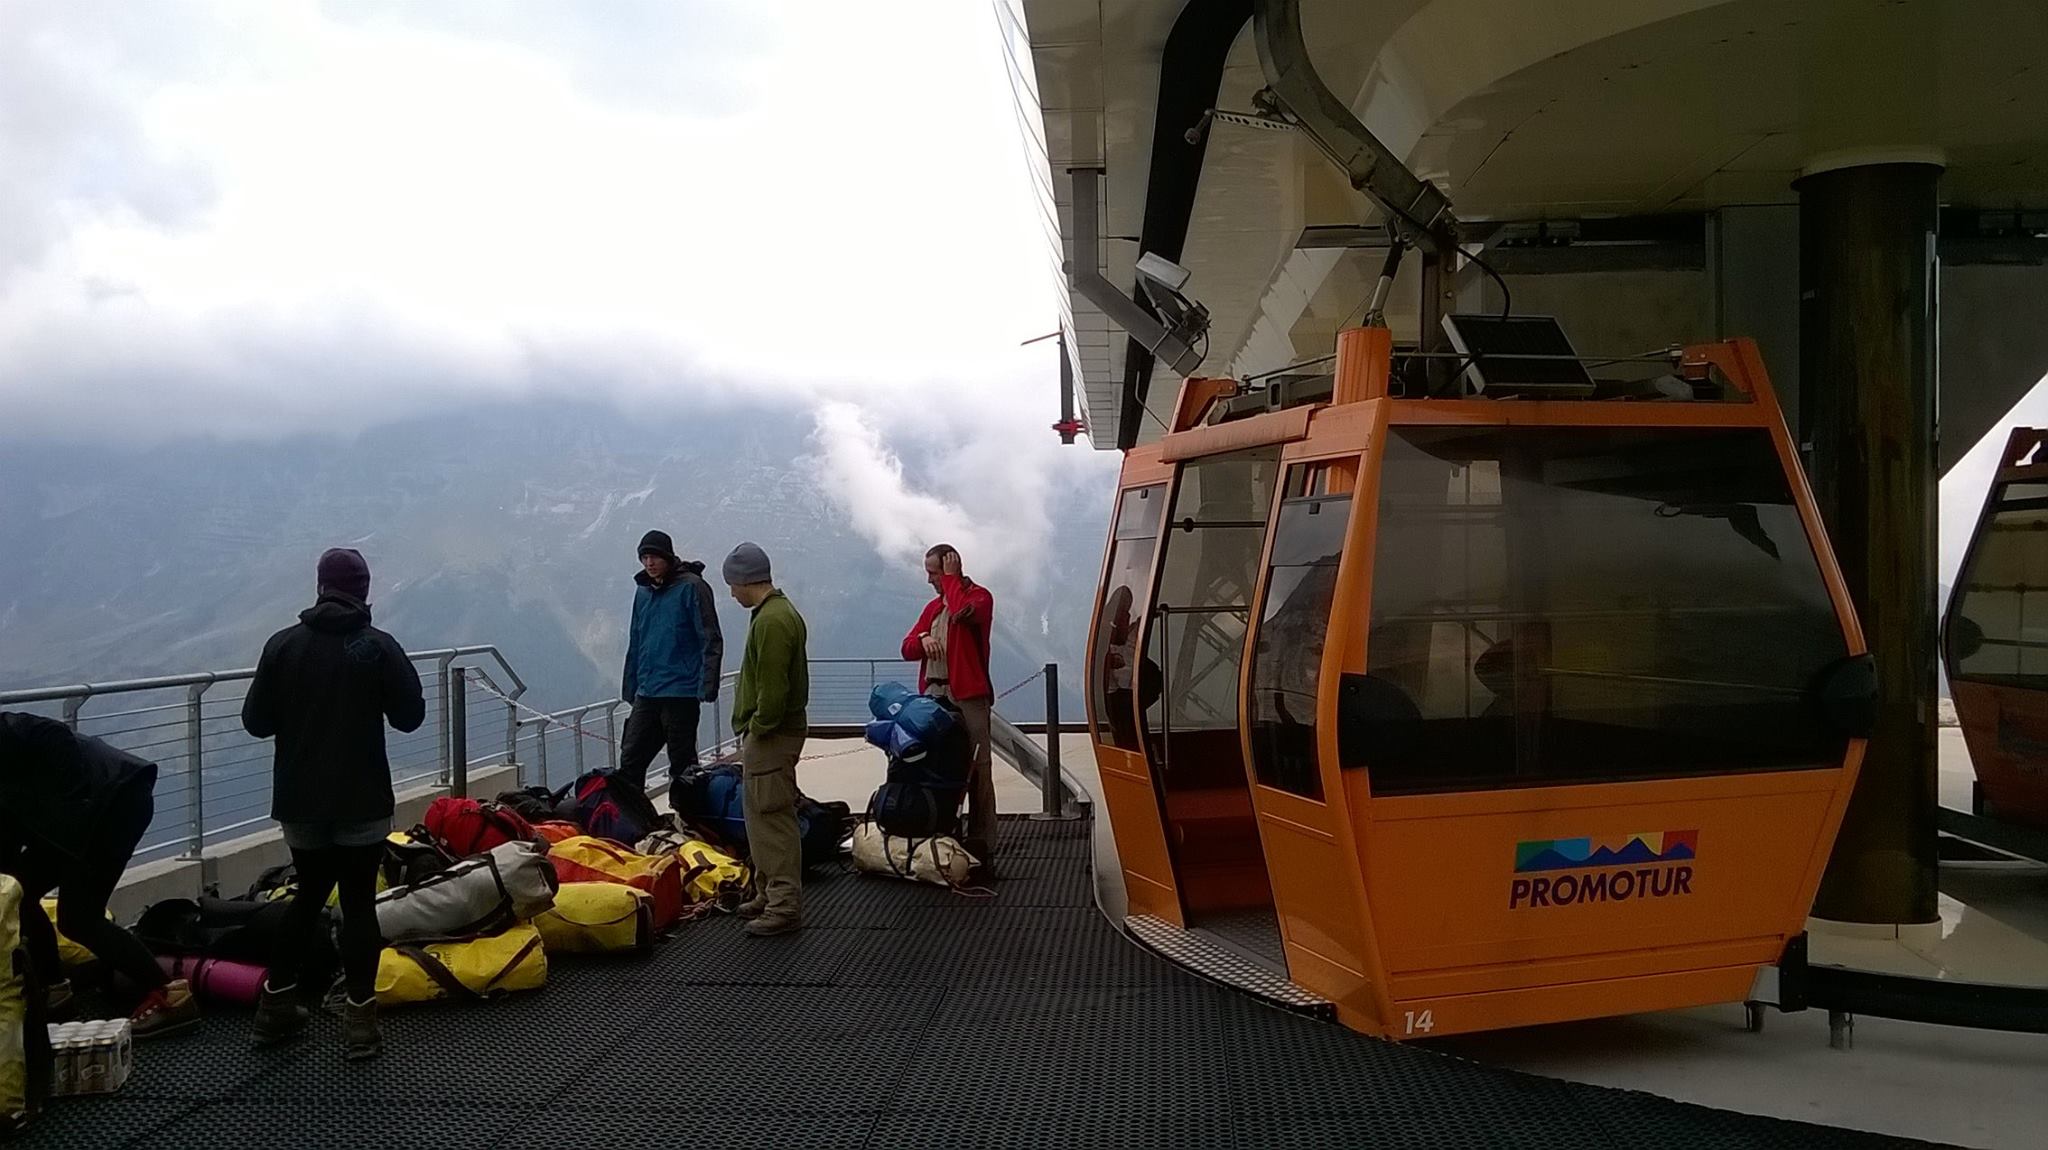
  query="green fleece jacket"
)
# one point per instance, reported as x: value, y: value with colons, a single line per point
x: 775, y: 674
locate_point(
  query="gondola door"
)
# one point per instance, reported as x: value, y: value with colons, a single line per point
x: 1121, y: 683
x: 1315, y: 559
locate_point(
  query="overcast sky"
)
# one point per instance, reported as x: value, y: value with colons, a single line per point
x: 267, y: 216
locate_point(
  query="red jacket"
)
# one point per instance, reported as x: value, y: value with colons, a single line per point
x: 973, y: 613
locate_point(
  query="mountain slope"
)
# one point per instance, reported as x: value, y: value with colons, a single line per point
x: 513, y: 526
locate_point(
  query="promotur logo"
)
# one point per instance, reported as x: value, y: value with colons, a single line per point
x: 1647, y: 864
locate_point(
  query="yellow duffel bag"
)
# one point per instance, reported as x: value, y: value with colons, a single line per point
x: 711, y: 875
x: 598, y: 918
x: 465, y: 971
x: 69, y: 953
x: 24, y: 1043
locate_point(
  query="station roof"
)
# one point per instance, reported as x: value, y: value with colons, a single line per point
x: 1520, y: 110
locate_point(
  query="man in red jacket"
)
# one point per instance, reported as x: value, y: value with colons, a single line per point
x: 950, y: 645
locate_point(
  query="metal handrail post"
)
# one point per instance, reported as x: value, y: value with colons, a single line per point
x: 1054, y: 797
x: 540, y: 728
x: 611, y: 734
x: 441, y: 673
x: 458, y: 732
x: 512, y: 742
x: 577, y: 722
x: 195, y: 774
x: 72, y: 706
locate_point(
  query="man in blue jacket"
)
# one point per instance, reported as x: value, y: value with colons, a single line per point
x: 673, y: 659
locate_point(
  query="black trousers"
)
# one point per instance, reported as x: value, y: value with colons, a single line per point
x: 85, y: 883
x: 354, y: 871
x: 656, y: 723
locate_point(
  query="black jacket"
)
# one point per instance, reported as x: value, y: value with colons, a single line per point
x: 54, y: 784
x: 324, y: 688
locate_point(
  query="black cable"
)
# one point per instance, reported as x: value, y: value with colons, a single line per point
x: 1507, y: 297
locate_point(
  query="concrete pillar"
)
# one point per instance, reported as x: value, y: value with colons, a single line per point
x: 1867, y: 384
x: 1753, y: 272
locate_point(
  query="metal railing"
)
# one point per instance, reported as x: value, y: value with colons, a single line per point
x: 552, y: 749
x: 213, y: 779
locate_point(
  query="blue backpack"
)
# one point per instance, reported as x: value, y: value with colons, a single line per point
x: 930, y: 759
x: 907, y: 722
x: 713, y: 797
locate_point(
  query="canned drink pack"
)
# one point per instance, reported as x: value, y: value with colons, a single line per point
x: 91, y: 1057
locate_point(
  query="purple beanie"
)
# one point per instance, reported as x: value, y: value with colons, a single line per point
x: 343, y: 569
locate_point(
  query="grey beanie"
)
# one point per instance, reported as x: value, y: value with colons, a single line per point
x: 747, y: 564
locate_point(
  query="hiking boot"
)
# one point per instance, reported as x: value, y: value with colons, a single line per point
x: 59, y: 1002
x: 280, y: 1016
x: 774, y: 922
x: 752, y: 908
x: 359, y: 1034
x: 168, y: 1009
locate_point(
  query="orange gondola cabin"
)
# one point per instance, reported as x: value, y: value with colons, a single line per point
x: 1542, y: 701
x: 1995, y: 640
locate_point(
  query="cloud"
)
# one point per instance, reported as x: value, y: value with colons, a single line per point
x: 990, y: 488
x: 299, y: 216
x: 248, y: 221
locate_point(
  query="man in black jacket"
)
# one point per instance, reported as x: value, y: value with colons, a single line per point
x: 72, y: 809
x: 325, y: 689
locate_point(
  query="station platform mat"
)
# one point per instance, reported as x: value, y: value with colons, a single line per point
x: 902, y: 1016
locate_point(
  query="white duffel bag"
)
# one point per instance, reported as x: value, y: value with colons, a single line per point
x: 939, y: 860
x: 482, y: 894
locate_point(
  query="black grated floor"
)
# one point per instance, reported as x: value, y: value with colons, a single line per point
x: 904, y: 1016
x: 1255, y: 934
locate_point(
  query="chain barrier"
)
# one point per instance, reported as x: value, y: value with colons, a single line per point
x: 1035, y: 676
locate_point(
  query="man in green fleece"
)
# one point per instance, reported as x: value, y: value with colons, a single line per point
x: 768, y: 716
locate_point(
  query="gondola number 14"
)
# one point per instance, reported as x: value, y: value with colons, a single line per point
x: 1420, y: 1023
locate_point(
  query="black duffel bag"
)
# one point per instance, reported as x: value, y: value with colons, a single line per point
x: 240, y: 930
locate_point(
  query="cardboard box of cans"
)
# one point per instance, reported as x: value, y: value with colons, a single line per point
x: 91, y: 1057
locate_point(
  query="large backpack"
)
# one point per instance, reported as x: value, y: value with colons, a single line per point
x: 913, y: 811
x: 713, y: 798
x: 945, y: 765
x: 923, y: 794
x: 24, y: 1037
x: 608, y: 807
x: 710, y: 798
x: 473, y: 826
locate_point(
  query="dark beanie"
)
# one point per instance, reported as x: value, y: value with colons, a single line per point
x: 343, y: 569
x: 658, y: 543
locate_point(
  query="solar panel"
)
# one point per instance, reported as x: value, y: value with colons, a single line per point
x: 1519, y: 355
